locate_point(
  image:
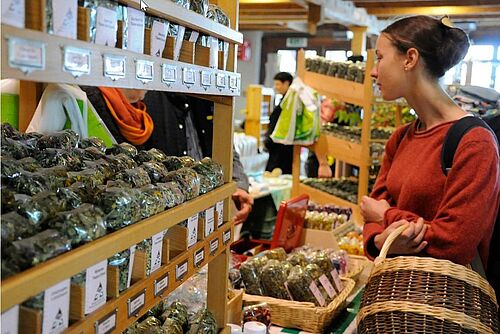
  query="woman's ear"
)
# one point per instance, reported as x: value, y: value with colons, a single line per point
x: 412, y: 58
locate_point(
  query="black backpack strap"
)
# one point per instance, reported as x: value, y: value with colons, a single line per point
x: 453, y: 137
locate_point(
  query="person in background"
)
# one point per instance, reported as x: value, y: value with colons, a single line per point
x: 280, y: 156
x: 447, y: 216
x: 184, y: 126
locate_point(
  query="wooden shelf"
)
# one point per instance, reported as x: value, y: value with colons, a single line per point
x: 18, y: 288
x: 345, y: 150
x: 340, y: 89
x: 322, y: 197
x: 177, y: 14
x: 147, y: 285
x: 222, y: 83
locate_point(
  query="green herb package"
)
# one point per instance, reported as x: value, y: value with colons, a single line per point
x: 121, y: 261
x: 15, y: 227
x: 120, y: 206
x: 137, y: 177
x: 125, y: 148
x: 35, y: 302
x: 199, y: 6
x: 29, y: 164
x: 297, y: 259
x: 152, y: 155
x: 276, y: 254
x: 188, y: 181
x: 204, y: 323
x: 66, y: 139
x: 298, y: 283
x: 15, y: 149
x: 92, y: 154
x: 178, y: 313
x: 102, y: 166
x: 173, y: 194
x: 10, y: 169
x: 171, y: 326
x: 86, y: 193
x: 250, y: 273
x: 211, y: 174
x: 51, y: 157
x: 121, y: 162
x: 273, y: 279
x: 8, y: 200
x: 9, y: 268
x: 93, y: 142
x: 152, y: 200
x: 89, y: 177
x: 156, y: 170
x: 182, y: 3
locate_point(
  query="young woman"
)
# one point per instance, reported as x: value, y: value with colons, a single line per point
x: 449, y: 217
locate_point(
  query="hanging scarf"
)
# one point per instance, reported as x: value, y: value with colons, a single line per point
x: 134, y: 123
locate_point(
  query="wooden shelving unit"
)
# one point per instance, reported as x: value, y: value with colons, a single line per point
x: 47, y: 53
x: 260, y: 104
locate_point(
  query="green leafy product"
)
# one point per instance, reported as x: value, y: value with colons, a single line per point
x: 204, y: 323
x: 121, y: 261
x: 273, y: 279
x: 120, y: 206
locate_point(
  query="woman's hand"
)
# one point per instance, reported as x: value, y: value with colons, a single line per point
x: 411, y: 241
x: 373, y: 210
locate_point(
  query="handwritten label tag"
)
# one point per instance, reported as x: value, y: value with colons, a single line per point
x: 178, y: 42
x: 221, y: 80
x: 233, y: 82
x: 64, y: 16
x: 76, y: 61
x: 131, y: 265
x: 209, y: 221
x: 136, y: 20
x: 95, y: 286
x: 13, y: 12
x: 206, y: 78
x: 226, y: 237
x: 114, y: 66
x: 156, y: 251
x: 181, y: 270
x: 325, y: 282
x: 158, y: 37
x: 192, y: 226
x: 107, y: 324
x: 56, y: 308
x: 199, y: 257
x: 161, y: 284
x: 288, y: 291
x: 214, y: 246
x: 194, y: 36
x: 10, y: 320
x: 26, y: 55
x: 317, y: 294
x: 169, y: 73
x: 144, y: 70
x: 136, y: 303
x: 219, y: 208
x: 106, y: 27
x: 188, y: 76
x: 337, y: 280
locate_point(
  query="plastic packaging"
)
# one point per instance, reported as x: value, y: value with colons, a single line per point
x: 172, y: 193
x: 177, y: 312
x: 297, y: 259
x: 137, y: 177
x: 15, y: 227
x: 29, y: 164
x: 174, y: 163
x: 276, y: 254
x: 15, y: 149
x: 8, y: 200
x: 273, y: 278
x: 54, y: 177
x: 102, y: 166
x: 125, y: 148
x: 182, y: 3
x: 172, y: 327
x: 156, y: 170
x: 199, y: 6
x: 211, y: 174
x: 66, y: 139
x: 120, y: 206
x: 51, y: 157
x: 121, y: 162
x: 90, y: 177
x: 298, y: 283
x: 254, y: 327
x: 188, y: 181
x: 258, y: 312
x: 93, y: 142
x: 250, y: 273
x: 153, y: 155
x: 41, y: 207
x: 121, y: 260
x: 152, y: 200
x: 203, y: 323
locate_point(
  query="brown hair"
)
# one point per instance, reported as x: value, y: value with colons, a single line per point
x: 440, y: 46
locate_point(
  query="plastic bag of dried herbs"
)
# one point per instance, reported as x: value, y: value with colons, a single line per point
x: 151, y: 155
x: 204, y: 323
x: 315, y: 272
x: 121, y: 162
x: 182, y: 3
x: 15, y: 227
x: 322, y: 260
x: 51, y: 157
x: 35, y: 302
x: 70, y: 197
x: 188, y: 181
x: 211, y: 174
x: 273, y: 278
x: 66, y: 139
x: 250, y: 273
x: 39, y: 248
x: 297, y: 259
x: 101, y: 165
x: 124, y: 148
x: 8, y: 200
x: 152, y: 200
x: 41, y: 207
x: 172, y: 193
x: 9, y: 268
x: 92, y: 154
x: 276, y: 254
x: 80, y: 225
x: 171, y: 326
x: 121, y: 261
x: 29, y: 164
x: 86, y: 193
x: 10, y: 168
x: 29, y: 183
x: 298, y: 283
x: 287, y: 266
x: 178, y: 313
x: 145, y: 246
x: 120, y: 206
x: 199, y: 6
x: 55, y: 177
x: 16, y: 149
x: 8, y: 131
x: 90, y: 177
x: 147, y: 324
x: 172, y: 163
x: 93, y: 142
x: 156, y: 170
x: 137, y: 177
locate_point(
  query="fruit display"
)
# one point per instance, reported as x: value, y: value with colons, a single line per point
x: 343, y: 70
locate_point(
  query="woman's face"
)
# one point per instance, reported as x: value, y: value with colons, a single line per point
x: 389, y: 70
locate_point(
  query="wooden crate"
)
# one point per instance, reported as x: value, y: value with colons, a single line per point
x: 177, y: 237
x: 202, y: 55
x: 186, y: 54
x: 30, y: 320
x: 83, y: 26
x: 234, y: 306
x: 76, y: 302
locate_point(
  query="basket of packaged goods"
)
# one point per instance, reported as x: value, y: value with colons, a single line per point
x: 303, y: 290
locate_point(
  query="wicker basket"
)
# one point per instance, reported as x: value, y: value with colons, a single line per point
x: 409, y: 294
x: 358, y: 264
x: 304, y: 316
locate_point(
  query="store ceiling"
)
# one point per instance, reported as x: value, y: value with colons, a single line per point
x: 306, y: 15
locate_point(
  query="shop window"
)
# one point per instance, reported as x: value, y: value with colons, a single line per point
x: 288, y: 61
x: 497, y: 77
x: 311, y: 53
x: 481, y: 74
x: 336, y: 55
x: 480, y: 52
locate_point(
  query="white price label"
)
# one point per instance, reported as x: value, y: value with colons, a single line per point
x: 13, y: 12
x: 144, y: 70
x: 219, y: 208
x: 188, y: 76
x: 226, y: 237
x: 181, y: 270
x: 325, y: 282
x: 337, y: 280
x: 136, y: 303
x: 214, y: 52
x: 156, y: 251
x: 194, y: 36
x: 206, y: 78
x: 192, y: 226
x: 26, y: 55
x: 209, y: 221
x: 136, y: 22
x: 158, y: 37
x: 317, y: 294
x: 56, y: 308
x: 76, y: 61
x: 221, y: 80
x: 114, y: 66
x: 199, y: 257
x: 233, y: 82
x: 95, y: 286
x: 64, y: 16
x: 10, y: 320
x: 131, y: 265
x: 106, y: 27
x: 161, y: 284
x: 169, y: 73
x: 214, y: 246
x: 106, y: 325
x: 178, y: 42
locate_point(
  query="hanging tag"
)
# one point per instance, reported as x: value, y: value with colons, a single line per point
x: 209, y: 221
x: 114, y: 66
x: 135, y: 23
x: 192, y: 226
x: 64, y: 16
x: 106, y: 26
x: 169, y: 73
x: 107, y: 324
x: 156, y: 250
x: 144, y: 70
x: 13, y: 12
x: 221, y: 80
x: 181, y: 270
x: 233, y: 82
x: 325, y: 282
x: 288, y: 291
x: 194, y: 37
x: 199, y: 257
x: 178, y: 42
x: 56, y: 308
x: 26, y: 55
x: 158, y: 38
x: 76, y: 61
x: 135, y: 304
x: 214, y: 246
x: 206, y: 78
x: 214, y: 52
x: 337, y: 280
x: 161, y: 284
x: 317, y: 294
x: 226, y: 237
x: 219, y: 208
x: 95, y: 286
x: 131, y: 265
x: 10, y: 320
x: 188, y: 76
x: 226, y: 55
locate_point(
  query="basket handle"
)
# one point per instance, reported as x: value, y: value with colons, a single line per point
x: 390, y: 239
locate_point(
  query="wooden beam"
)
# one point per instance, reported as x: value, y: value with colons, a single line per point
x: 434, y: 10
x: 313, y: 18
x: 358, y: 42
x: 298, y: 26
x: 406, y: 3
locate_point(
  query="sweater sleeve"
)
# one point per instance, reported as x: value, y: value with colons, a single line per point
x: 470, y: 203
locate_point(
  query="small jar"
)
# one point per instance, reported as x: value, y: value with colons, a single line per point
x: 254, y: 327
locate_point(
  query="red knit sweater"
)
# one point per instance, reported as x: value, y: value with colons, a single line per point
x: 460, y: 208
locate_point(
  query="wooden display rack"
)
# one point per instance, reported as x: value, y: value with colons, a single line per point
x: 221, y: 88
x: 258, y: 99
